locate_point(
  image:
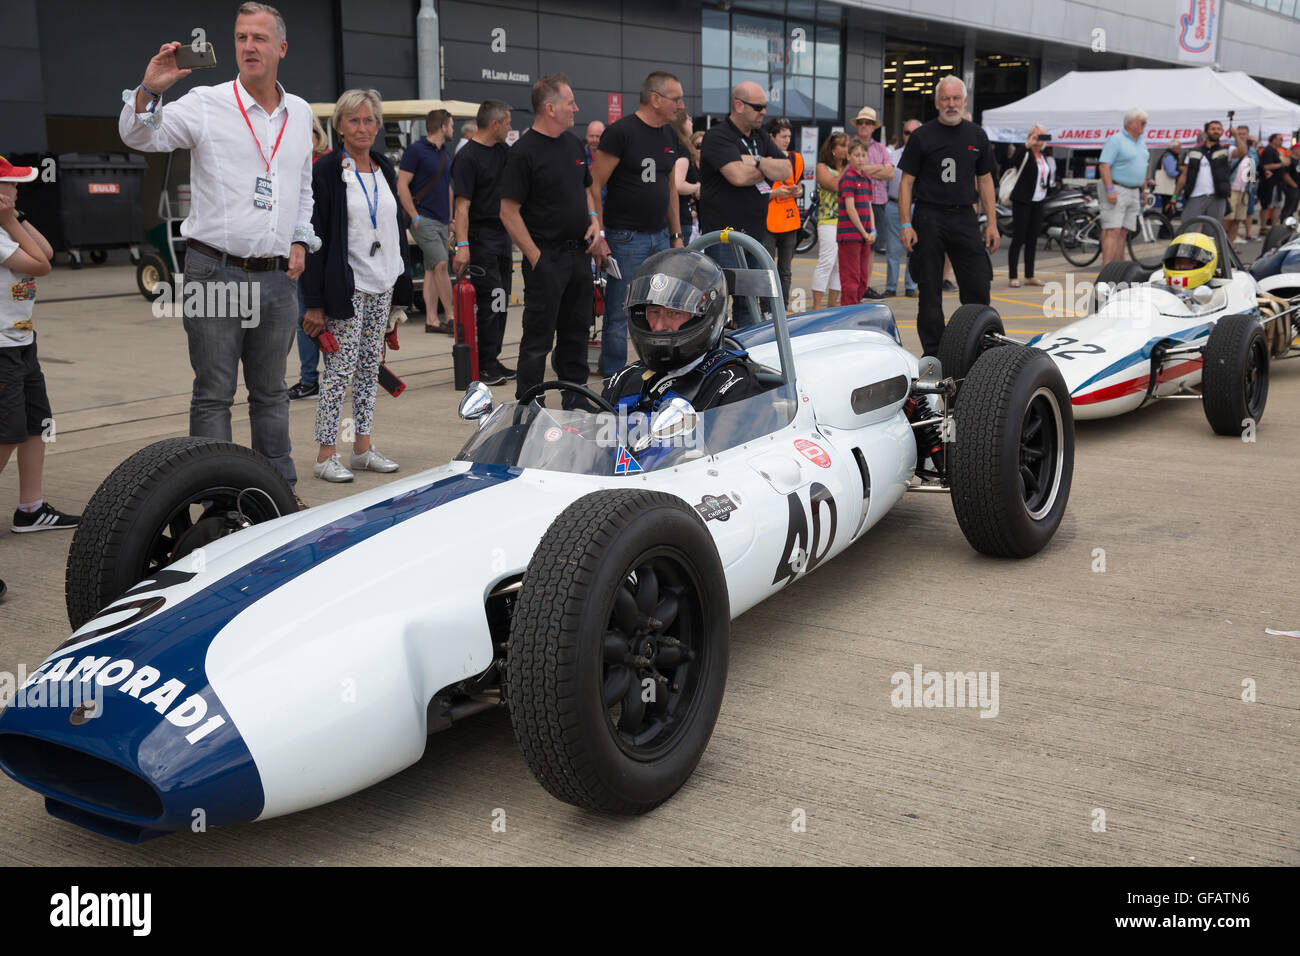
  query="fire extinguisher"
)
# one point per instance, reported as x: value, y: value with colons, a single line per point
x: 464, y: 354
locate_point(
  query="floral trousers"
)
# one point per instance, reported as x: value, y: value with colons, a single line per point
x: 355, y: 362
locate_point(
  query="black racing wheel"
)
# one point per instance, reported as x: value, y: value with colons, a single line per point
x: 574, y: 387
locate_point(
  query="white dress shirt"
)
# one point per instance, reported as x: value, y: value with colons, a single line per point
x: 225, y: 164
x: 895, y: 154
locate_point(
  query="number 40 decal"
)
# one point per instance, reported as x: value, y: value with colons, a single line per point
x: 1070, y: 353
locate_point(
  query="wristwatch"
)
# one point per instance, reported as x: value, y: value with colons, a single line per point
x: 675, y: 235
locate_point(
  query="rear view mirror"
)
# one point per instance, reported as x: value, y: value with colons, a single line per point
x: 477, y: 402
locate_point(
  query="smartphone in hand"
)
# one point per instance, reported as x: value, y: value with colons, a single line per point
x: 187, y: 58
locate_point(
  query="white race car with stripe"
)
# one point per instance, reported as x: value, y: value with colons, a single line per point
x: 232, y: 665
x: 1146, y: 341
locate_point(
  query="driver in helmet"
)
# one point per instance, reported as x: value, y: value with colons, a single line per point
x: 677, y: 305
x: 1190, y: 261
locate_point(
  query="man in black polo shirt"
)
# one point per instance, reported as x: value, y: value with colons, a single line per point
x: 640, y: 213
x: 946, y: 162
x: 738, y: 164
x: 481, y: 240
x: 548, y: 212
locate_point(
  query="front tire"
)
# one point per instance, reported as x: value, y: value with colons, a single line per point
x: 966, y: 338
x: 807, y: 234
x: 1013, y: 452
x: 162, y: 503
x: 625, y: 596
x: 1234, y: 382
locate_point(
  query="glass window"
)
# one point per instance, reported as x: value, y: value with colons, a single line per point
x: 717, y: 87
x: 715, y: 44
x: 828, y: 98
x: 798, y: 96
x: 757, y: 44
x: 828, y: 52
x: 803, y: 48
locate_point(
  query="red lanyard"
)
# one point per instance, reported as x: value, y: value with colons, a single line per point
x: 276, y: 147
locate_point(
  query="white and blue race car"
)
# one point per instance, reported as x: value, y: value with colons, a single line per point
x: 1145, y: 340
x: 237, y: 658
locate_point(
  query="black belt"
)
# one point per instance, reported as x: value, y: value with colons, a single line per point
x: 945, y: 205
x: 247, y: 264
x: 563, y: 244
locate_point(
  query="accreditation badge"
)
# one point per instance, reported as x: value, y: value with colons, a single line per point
x: 264, y: 193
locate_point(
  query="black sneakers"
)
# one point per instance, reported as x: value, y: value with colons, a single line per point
x: 46, y: 519
x: 302, y: 390
x: 871, y: 294
x: 495, y: 374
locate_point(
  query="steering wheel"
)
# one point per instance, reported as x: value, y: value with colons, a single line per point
x: 574, y: 387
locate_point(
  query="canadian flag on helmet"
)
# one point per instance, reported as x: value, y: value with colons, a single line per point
x: 1178, y: 281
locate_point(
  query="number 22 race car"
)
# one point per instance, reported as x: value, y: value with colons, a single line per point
x: 1147, y: 340
x: 234, y: 656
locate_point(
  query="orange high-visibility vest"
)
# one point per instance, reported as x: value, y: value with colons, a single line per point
x: 783, y: 213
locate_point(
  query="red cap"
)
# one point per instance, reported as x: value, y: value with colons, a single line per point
x: 15, y: 174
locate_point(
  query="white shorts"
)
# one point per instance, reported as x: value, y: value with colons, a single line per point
x: 1123, y: 213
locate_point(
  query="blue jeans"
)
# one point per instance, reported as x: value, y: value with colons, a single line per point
x: 630, y: 249
x: 219, y: 343
x: 893, y: 237
x: 308, y: 351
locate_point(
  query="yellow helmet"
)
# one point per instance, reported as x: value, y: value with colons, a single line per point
x: 1195, y: 247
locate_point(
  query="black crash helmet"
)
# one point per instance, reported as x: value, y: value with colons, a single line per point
x: 685, y: 280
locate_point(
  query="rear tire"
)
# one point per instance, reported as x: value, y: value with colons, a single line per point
x: 965, y: 338
x: 1121, y: 272
x: 140, y: 518
x: 1013, y: 453
x: 580, y: 643
x: 1234, y: 383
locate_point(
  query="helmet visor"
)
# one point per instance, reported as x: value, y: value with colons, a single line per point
x: 1187, y: 251
x: 665, y: 290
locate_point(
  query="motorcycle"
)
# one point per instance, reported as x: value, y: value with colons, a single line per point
x: 807, y: 230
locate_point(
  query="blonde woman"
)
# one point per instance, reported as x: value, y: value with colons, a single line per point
x: 1032, y: 176
x: 362, y: 267
x: 831, y: 163
x: 686, y: 175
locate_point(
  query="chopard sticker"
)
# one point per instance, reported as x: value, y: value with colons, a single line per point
x: 813, y: 452
x: 716, y: 507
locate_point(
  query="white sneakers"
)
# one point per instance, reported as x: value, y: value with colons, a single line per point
x: 331, y: 469
x: 372, y: 460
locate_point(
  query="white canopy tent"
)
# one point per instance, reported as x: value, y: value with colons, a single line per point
x: 1085, y: 108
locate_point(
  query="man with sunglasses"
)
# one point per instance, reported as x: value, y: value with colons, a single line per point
x: 738, y: 164
x: 639, y: 212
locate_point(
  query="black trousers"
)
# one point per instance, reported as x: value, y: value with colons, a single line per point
x: 1290, y: 198
x: 491, y: 298
x: 557, y: 315
x: 953, y: 231
x: 780, y: 246
x: 1027, y: 223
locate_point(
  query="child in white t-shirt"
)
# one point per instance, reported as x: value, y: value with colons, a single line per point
x: 25, y: 416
